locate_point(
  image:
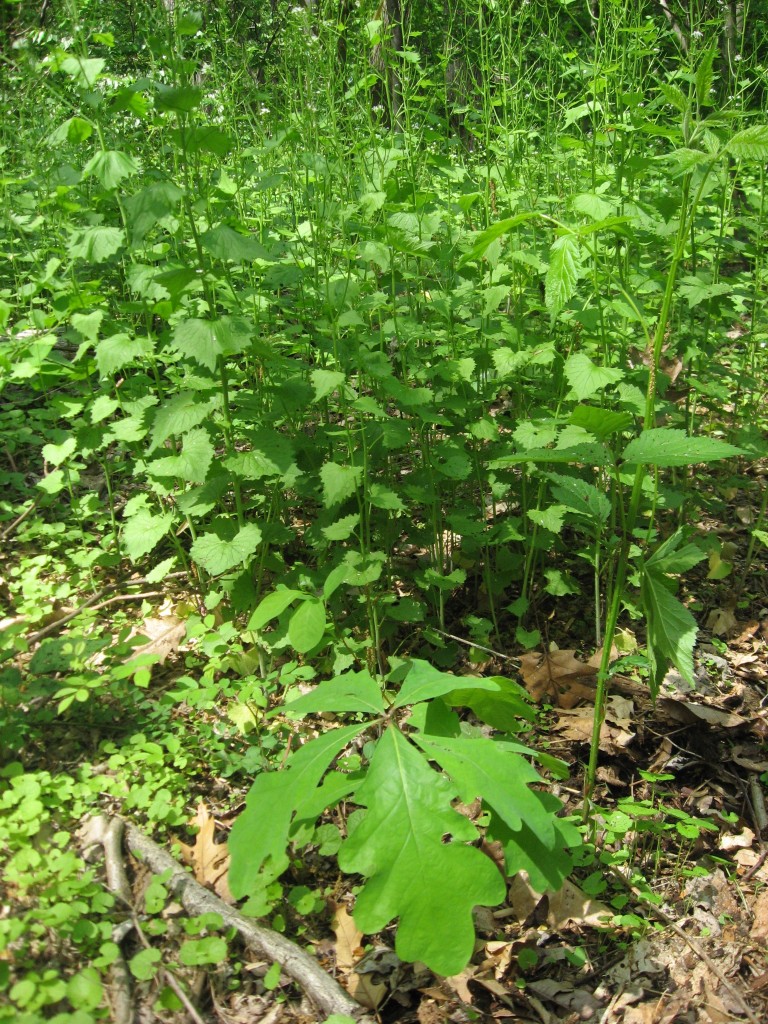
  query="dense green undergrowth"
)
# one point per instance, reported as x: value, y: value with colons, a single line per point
x: 369, y: 403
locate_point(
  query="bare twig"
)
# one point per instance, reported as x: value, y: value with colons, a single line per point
x: 694, y: 946
x: 94, y: 603
x: 110, y: 835
x: 18, y: 520
x: 323, y: 990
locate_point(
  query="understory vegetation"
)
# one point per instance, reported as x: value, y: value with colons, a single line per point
x: 377, y: 382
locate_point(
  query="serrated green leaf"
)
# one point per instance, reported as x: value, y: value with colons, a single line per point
x: 85, y: 71
x: 96, y: 244
x: 587, y: 454
x: 55, y: 454
x: 192, y: 464
x: 750, y: 143
x: 592, y: 206
x: 672, y: 558
x: 120, y: 350
x: 225, y: 243
x: 563, y: 272
x: 343, y: 528
x: 600, y: 422
x: 178, y: 415
x: 111, y: 166
x: 384, y: 497
x: 205, y: 340
x: 179, y: 98
x: 144, y: 531
x: 306, y: 627
x: 586, y: 378
x: 549, y: 518
x: 495, y: 231
x: 218, y: 555
x: 664, y: 447
x: 148, y: 207
x: 704, y: 78
x: 481, y: 768
x: 424, y: 681
x: 580, y: 496
x: 339, y: 482
x: 674, y: 96
x: 325, y: 382
x: 259, y: 838
x: 103, y: 407
x: 353, y: 691
x: 400, y: 848
x: 670, y: 630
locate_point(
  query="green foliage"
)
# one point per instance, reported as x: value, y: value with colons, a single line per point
x: 401, y: 843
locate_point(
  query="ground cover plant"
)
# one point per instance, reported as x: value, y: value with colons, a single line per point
x: 383, y: 509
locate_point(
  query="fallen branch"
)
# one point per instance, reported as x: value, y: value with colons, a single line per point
x: 324, y: 991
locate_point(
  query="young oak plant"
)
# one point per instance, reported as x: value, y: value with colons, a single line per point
x: 413, y: 847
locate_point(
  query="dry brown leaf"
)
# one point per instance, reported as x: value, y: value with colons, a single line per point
x: 164, y: 634
x: 689, y: 713
x: 759, y: 930
x: 208, y: 859
x: 569, y: 905
x: 721, y: 621
x: 742, y: 841
x: 348, y: 946
x: 558, y: 676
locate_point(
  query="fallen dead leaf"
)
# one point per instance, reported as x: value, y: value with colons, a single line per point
x: 164, y: 635
x: 558, y: 676
x: 742, y: 841
x: 721, y: 621
x: 349, y: 951
x: 208, y: 859
x: 569, y: 905
x: 759, y: 931
x: 689, y: 713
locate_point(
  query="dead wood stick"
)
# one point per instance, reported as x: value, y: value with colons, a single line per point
x: 110, y: 835
x: 693, y: 945
x: 323, y: 990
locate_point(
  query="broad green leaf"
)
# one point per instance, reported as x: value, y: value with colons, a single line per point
x: 750, y: 143
x: 563, y: 272
x: 205, y: 138
x: 384, y: 497
x: 179, y: 98
x: 212, y: 949
x: 55, y: 454
x: 694, y: 290
x: 586, y: 378
x: 670, y: 630
x: 411, y: 871
x: 492, y: 298
x: 664, y: 447
x: 586, y: 454
x: 111, y: 166
x: 502, y: 707
x: 547, y: 865
x: 205, y: 340
x: 581, y: 497
x: 120, y: 350
x: 272, y: 606
x: 103, y: 407
x: 672, y: 558
x: 343, y: 528
x: 258, y: 841
x: 178, y: 415
x: 143, y: 531
x: 549, y: 518
x: 424, y: 682
x: 339, y: 482
x: 600, y: 422
x: 306, y: 627
x: 192, y: 464
x: 75, y: 130
x: 481, y: 768
x: 97, y: 244
x: 225, y: 243
x: 85, y: 71
x: 148, y: 207
x: 218, y: 555
x: 495, y: 231
x: 592, y: 206
x: 674, y: 96
x: 353, y: 691
x: 325, y: 382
